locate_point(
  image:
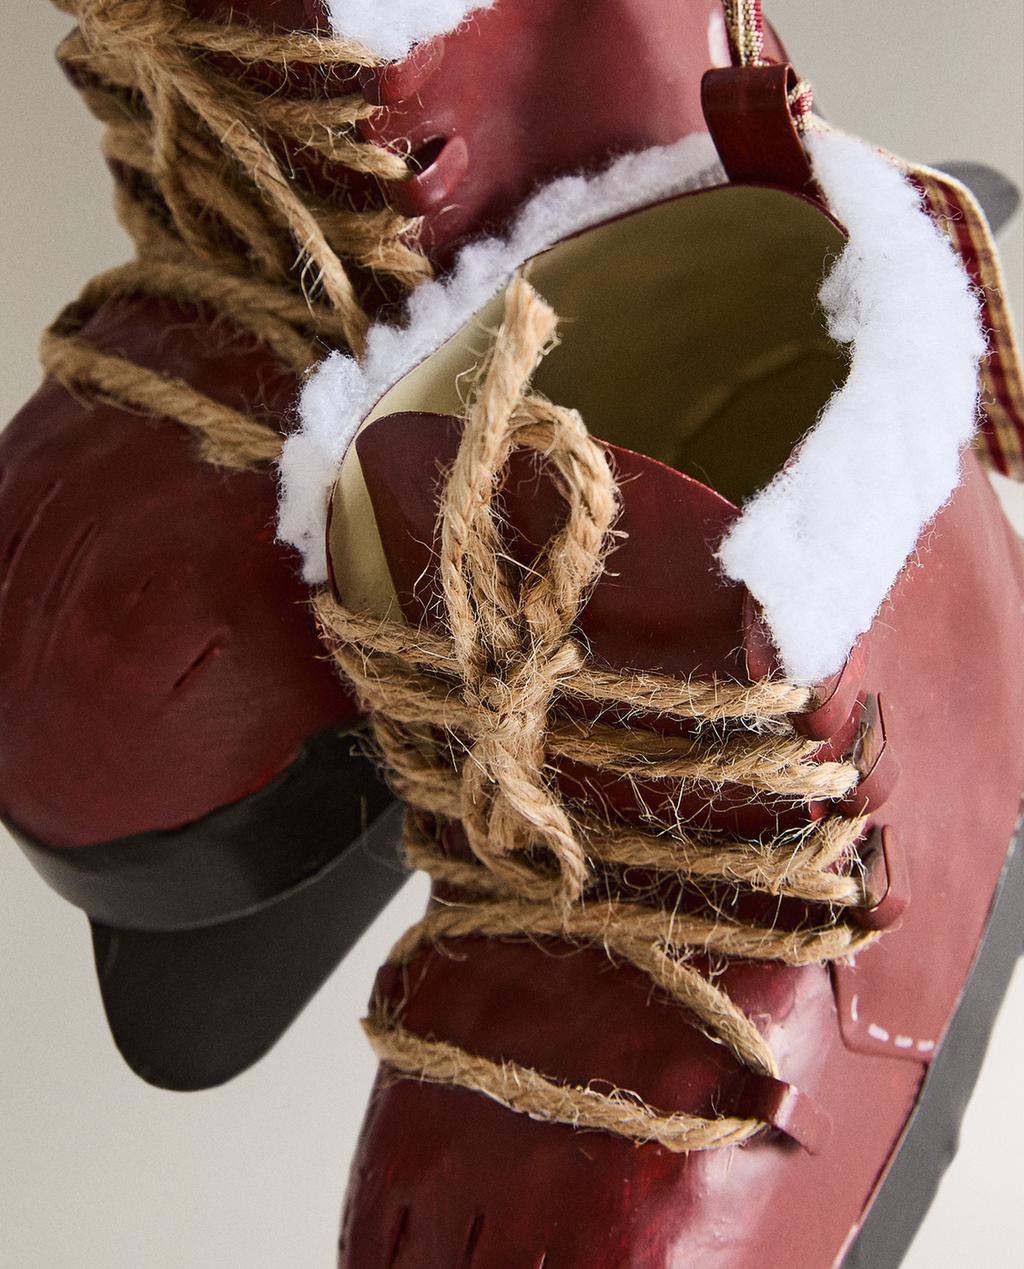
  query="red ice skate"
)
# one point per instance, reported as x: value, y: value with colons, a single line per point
x: 709, y: 729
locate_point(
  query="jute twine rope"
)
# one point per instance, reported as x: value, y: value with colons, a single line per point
x: 471, y: 722
x: 217, y: 216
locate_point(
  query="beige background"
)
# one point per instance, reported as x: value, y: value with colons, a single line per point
x: 98, y: 1171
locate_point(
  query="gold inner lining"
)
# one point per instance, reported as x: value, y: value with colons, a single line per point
x: 690, y: 332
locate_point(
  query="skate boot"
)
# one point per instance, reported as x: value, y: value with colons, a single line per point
x: 708, y: 728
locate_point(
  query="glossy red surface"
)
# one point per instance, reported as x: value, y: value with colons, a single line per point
x: 524, y: 92
x: 158, y: 656
x: 750, y: 120
x: 97, y: 740
x: 945, y: 657
x: 443, y: 1176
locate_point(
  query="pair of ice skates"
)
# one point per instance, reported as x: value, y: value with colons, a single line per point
x: 706, y: 728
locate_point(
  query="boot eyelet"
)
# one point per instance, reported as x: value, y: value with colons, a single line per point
x: 446, y: 162
x: 886, y: 884
x: 874, y: 759
x: 836, y: 708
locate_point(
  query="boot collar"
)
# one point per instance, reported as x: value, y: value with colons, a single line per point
x: 823, y: 542
x: 654, y: 609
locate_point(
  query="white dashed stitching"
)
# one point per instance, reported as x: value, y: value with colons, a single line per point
x: 901, y: 1041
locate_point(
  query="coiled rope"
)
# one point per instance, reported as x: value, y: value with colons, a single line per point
x: 217, y: 216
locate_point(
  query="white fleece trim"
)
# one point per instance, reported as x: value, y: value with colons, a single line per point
x: 341, y: 392
x: 821, y: 545
x: 390, y: 28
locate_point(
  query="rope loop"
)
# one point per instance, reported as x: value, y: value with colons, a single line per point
x: 514, y: 646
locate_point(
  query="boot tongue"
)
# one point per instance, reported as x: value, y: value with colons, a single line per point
x: 662, y: 603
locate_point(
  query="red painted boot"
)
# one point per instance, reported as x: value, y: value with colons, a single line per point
x: 719, y: 804
x: 172, y: 743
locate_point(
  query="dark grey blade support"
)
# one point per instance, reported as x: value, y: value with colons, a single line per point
x: 997, y: 194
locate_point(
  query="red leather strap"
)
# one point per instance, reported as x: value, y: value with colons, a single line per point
x: 747, y: 109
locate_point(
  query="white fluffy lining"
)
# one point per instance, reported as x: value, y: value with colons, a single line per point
x: 822, y: 544
x: 341, y: 392
x: 390, y: 28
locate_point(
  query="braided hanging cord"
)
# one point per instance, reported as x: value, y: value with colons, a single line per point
x: 471, y: 721
x: 744, y: 21
x: 216, y: 213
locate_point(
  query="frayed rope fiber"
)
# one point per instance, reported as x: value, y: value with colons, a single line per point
x: 218, y: 219
x: 470, y: 722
